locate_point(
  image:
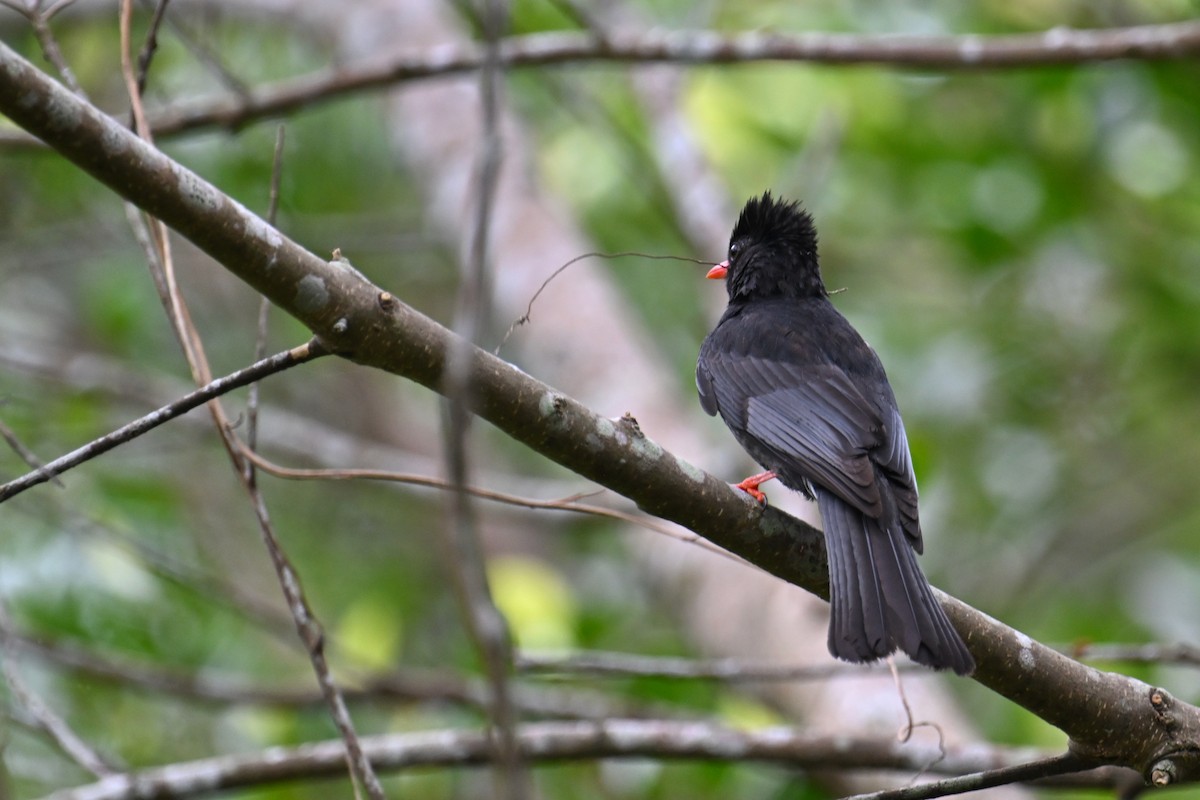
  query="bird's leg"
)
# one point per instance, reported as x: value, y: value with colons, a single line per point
x: 751, y: 484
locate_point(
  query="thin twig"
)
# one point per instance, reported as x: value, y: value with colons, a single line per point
x: 60, y: 5
x: 487, y: 627
x: 310, y: 438
x: 906, y: 732
x: 1056, y: 46
x: 268, y: 366
x: 150, y: 46
x: 155, y: 238
x: 584, y: 16
x: 569, y: 503
x: 957, y: 52
x: 264, y: 305
x: 207, y: 57
x: 727, y: 670
x: 1018, y: 773
x: 362, y: 774
x: 558, y: 742
x: 527, y: 316
x: 40, y: 20
x: 71, y: 743
x: 28, y: 456
x: 1181, y: 653
x: 406, y: 686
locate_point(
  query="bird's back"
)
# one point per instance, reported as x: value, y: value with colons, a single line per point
x: 808, y: 398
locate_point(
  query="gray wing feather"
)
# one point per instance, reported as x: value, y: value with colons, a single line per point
x: 820, y: 423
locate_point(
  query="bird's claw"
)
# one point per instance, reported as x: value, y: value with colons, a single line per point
x: 755, y: 493
x: 751, y: 484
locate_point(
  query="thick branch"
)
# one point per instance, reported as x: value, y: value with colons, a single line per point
x: 1110, y: 718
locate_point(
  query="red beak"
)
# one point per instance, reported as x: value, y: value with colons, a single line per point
x: 719, y: 271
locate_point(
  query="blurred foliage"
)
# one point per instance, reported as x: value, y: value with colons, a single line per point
x: 1022, y: 247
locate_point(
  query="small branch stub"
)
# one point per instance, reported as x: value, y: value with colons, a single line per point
x: 631, y: 426
x: 1164, y: 707
x: 1163, y: 773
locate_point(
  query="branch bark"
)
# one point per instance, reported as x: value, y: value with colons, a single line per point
x: 1110, y: 718
x: 1058, y: 46
x: 550, y: 742
x: 968, y: 52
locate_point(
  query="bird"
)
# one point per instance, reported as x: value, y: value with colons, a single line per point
x: 808, y: 399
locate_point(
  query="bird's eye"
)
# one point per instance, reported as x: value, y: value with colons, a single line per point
x: 734, y: 249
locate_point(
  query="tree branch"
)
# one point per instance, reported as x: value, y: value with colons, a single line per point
x: 147, y: 423
x: 1110, y: 718
x: 1058, y: 46
x: 1001, y: 776
x: 551, y: 742
x: 966, y: 52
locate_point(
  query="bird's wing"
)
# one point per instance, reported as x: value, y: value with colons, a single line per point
x: 822, y: 423
x: 705, y: 388
x: 894, y: 457
x: 814, y: 421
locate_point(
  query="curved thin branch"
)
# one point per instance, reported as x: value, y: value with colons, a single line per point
x: 1057, y: 46
x: 570, y: 503
x: 1051, y: 767
x: 551, y: 742
x: 147, y: 423
x: 964, y: 52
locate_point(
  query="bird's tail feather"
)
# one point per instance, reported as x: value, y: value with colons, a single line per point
x: 879, y: 598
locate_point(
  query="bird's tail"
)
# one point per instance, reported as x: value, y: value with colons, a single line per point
x: 879, y: 598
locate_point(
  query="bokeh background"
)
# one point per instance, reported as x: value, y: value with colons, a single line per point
x: 1022, y: 247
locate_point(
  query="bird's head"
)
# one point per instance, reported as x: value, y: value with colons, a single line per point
x: 772, y: 252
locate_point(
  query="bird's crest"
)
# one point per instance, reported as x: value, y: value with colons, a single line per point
x: 773, y: 251
x: 765, y: 218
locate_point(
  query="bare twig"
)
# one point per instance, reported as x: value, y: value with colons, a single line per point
x: 299, y: 435
x: 963, y: 52
x: 307, y: 626
x: 406, y: 686
x: 57, y: 6
x: 150, y: 46
x: 1182, y: 654
x: 264, y: 305
x: 951, y: 53
x: 152, y: 233
x: 584, y: 16
x: 40, y: 20
x: 569, y: 503
x: 1017, y: 773
x: 465, y: 558
x: 71, y: 743
x: 205, y: 54
x: 361, y: 772
x: 727, y: 670
x: 553, y: 742
x: 910, y: 724
x: 257, y: 371
x: 525, y: 318
x: 27, y: 455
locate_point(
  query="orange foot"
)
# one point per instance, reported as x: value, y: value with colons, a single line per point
x: 751, y: 484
